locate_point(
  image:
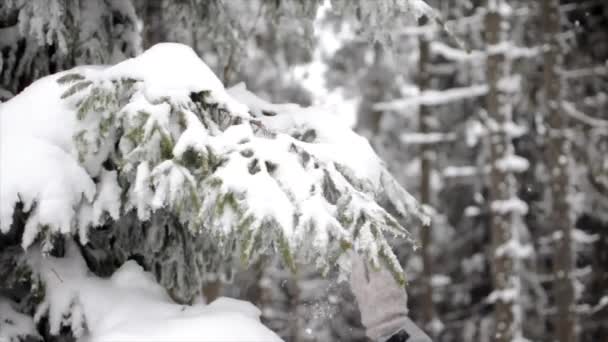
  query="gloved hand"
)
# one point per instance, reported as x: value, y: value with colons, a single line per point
x: 383, y: 305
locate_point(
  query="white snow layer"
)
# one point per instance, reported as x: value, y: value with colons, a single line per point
x: 476, y: 56
x: 414, y: 138
x: 38, y: 157
x: 512, y: 163
x: 14, y: 326
x: 37, y: 163
x: 511, y: 205
x: 334, y: 140
x: 131, y: 306
x: 186, y: 74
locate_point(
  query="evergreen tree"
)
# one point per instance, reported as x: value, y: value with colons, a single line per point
x: 187, y: 180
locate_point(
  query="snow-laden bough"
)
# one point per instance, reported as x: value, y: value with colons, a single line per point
x: 153, y: 157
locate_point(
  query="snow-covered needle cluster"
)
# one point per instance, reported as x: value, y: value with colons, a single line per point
x: 189, y: 176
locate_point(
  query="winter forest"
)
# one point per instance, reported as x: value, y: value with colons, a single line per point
x: 268, y: 170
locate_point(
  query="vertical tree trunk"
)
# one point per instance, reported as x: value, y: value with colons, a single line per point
x: 153, y: 23
x: 558, y: 151
x: 428, y: 313
x: 368, y: 118
x: 295, y: 329
x: 211, y: 290
x: 501, y: 182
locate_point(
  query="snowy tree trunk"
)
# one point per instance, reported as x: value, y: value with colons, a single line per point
x: 211, y: 290
x: 425, y: 184
x: 503, y: 187
x: 294, y: 319
x: 368, y: 118
x: 558, y: 151
x: 153, y: 23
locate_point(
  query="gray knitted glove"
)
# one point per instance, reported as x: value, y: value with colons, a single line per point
x: 382, y: 302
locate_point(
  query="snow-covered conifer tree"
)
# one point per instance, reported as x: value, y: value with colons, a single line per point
x: 165, y: 167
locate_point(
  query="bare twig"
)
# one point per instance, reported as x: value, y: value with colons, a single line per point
x: 57, y: 274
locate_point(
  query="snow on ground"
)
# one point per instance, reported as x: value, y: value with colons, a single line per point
x: 131, y: 306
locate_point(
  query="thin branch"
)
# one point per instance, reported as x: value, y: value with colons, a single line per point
x: 577, y: 5
x: 600, y: 70
x: 573, y: 112
x: 57, y: 274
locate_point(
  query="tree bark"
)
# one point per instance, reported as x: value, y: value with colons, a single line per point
x: 558, y: 152
x: 211, y: 290
x: 500, y: 222
x: 153, y: 23
x: 428, y: 312
x: 368, y: 118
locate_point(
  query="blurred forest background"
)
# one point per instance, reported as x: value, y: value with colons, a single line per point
x: 493, y: 113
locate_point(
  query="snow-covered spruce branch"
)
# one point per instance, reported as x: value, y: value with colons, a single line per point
x: 509, y: 163
x: 509, y: 49
x: 434, y: 97
x: 600, y: 70
x: 250, y: 177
